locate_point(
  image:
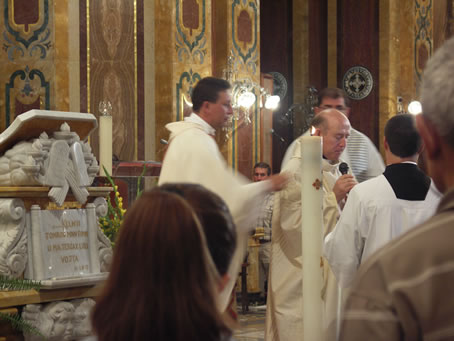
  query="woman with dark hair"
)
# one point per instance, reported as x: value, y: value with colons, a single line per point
x: 169, y: 265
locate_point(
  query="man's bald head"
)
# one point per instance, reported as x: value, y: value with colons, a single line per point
x: 334, y: 127
x: 324, y: 119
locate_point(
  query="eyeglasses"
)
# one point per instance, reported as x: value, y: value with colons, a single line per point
x: 337, y: 107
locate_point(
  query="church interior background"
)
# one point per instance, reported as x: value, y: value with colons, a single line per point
x: 144, y: 57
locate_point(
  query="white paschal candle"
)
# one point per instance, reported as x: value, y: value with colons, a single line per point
x: 312, y: 230
x: 105, y: 144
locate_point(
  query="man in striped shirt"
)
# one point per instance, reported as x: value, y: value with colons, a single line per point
x: 360, y: 154
x: 403, y: 292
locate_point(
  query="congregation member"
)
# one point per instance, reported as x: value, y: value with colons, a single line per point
x: 380, y: 209
x: 284, y: 320
x: 403, y: 291
x: 360, y: 153
x: 170, y: 263
x: 193, y: 156
x: 262, y: 171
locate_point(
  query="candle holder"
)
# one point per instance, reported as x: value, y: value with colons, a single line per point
x: 105, y: 108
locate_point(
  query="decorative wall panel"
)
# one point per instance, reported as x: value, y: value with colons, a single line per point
x: 183, y: 53
x: 358, y: 45
x: 245, y: 46
x: 192, y: 50
x: 423, y: 34
x: 27, y: 64
x: 113, y: 56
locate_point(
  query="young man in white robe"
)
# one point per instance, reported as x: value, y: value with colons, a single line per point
x: 193, y: 156
x: 284, y: 320
x: 380, y: 209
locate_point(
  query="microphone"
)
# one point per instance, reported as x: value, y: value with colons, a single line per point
x: 162, y: 141
x: 343, y: 168
x: 277, y: 135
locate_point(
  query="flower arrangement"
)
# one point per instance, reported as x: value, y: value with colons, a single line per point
x: 110, y: 224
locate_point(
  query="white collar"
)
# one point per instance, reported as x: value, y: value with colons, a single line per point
x: 194, y: 118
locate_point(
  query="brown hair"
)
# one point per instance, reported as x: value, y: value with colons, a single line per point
x: 263, y: 165
x: 207, y: 89
x: 333, y: 93
x: 162, y: 285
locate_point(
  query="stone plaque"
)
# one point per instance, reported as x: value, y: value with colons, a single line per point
x: 64, y: 247
x: 65, y: 244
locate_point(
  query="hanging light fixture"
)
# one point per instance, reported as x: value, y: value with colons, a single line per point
x: 414, y: 108
x: 245, y: 93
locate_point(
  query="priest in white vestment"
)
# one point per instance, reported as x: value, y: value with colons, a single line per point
x: 284, y: 320
x: 380, y: 209
x: 193, y: 156
x: 361, y: 154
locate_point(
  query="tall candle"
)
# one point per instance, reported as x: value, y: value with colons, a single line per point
x: 105, y: 143
x: 312, y: 230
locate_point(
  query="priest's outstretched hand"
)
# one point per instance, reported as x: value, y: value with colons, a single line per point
x: 278, y: 181
x: 343, y: 185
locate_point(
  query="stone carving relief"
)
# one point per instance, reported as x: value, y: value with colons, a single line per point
x: 13, y: 239
x: 54, y: 320
x: 82, y: 315
x: 105, y: 246
x: 60, y: 320
x: 61, y: 162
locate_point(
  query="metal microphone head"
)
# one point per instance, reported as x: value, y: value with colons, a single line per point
x: 343, y: 168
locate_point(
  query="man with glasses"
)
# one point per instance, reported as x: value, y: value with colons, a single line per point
x: 361, y: 154
x: 193, y: 156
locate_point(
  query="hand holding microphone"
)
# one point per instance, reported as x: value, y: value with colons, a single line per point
x: 344, y: 184
x: 343, y: 168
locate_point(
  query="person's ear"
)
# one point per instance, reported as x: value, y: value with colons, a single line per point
x: 205, y: 106
x: 385, y: 143
x: 430, y: 137
x: 317, y: 132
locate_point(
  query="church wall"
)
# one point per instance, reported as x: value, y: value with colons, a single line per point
x: 276, y: 55
x: 28, y: 59
x: 358, y: 47
x: 183, y: 56
x: 145, y: 56
x: 236, y: 30
x: 142, y: 56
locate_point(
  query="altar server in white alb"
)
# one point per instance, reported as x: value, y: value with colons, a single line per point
x: 194, y: 157
x: 284, y: 315
x: 380, y: 209
x: 361, y: 154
